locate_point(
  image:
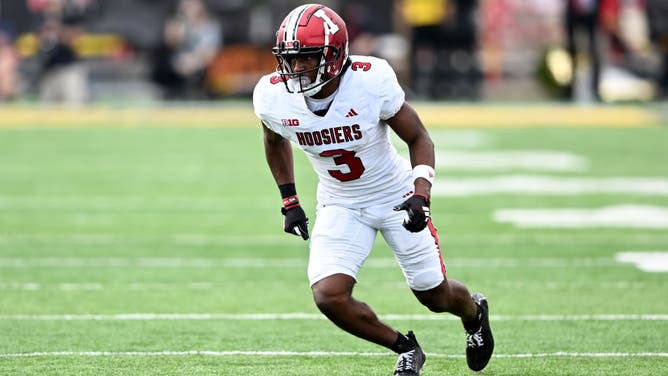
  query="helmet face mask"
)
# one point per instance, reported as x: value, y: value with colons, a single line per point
x: 308, y: 81
x: 307, y: 30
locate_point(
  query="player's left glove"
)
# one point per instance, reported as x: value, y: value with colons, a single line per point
x: 417, y: 207
x: 296, y: 221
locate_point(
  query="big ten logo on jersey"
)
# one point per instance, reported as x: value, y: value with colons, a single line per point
x: 290, y: 122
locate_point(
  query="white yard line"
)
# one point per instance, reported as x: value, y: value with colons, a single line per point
x: 617, y: 216
x: 560, y: 354
x: 175, y: 286
x: 200, y: 239
x: 500, y: 160
x: 654, y: 262
x: 452, y: 139
x: 317, y: 316
x: 548, y: 185
x: 381, y: 263
x: 59, y: 201
x: 90, y: 286
x: 179, y: 239
x: 148, y: 262
x: 136, y: 286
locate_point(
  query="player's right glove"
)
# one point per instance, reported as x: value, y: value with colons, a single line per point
x: 417, y: 207
x: 295, y: 219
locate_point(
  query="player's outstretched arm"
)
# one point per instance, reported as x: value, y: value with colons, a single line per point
x: 278, y: 153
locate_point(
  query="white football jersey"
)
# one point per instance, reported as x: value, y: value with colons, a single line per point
x: 349, y: 147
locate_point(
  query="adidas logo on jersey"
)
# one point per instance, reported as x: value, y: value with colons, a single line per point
x: 351, y: 113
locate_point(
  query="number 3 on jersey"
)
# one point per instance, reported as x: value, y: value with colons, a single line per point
x: 344, y: 157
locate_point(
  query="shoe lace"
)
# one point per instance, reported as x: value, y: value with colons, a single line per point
x: 474, y: 340
x: 405, y: 362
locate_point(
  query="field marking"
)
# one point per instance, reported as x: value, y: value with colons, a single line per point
x: 161, y: 286
x: 94, y: 286
x: 179, y: 239
x: 646, y: 261
x: 240, y: 115
x: 148, y: 262
x: 536, y: 160
x: 317, y: 316
x: 549, y: 185
x: 495, y: 116
x: 559, y: 354
x: 617, y: 216
x: 380, y: 263
x: 118, y: 203
x: 139, y: 286
x: 226, y: 116
x: 201, y: 239
x: 452, y: 139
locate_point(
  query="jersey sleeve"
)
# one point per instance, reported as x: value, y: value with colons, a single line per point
x: 263, y: 101
x: 391, y: 93
x: 260, y: 99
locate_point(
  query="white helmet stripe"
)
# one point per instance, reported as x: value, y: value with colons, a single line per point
x: 293, y: 22
x: 326, y: 30
x: 325, y: 25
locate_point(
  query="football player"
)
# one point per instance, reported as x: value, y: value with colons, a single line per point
x: 340, y: 110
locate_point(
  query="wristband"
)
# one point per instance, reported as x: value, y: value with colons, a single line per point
x: 424, y: 172
x: 425, y: 197
x: 287, y: 190
x: 290, y: 202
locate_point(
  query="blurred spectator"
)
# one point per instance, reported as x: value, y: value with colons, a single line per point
x: 9, y: 62
x: 582, y: 25
x: 616, y: 34
x: 63, y: 77
x: 424, y: 18
x: 514, y: 35
x: 444, y: 43
x: 377, y: 28
x: 628, y: 53
x: 360, y: 36
x: 192, y: 38
x: 657, y: 12
x: 495, y: 20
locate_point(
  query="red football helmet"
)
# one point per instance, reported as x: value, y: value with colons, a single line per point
x: 311, y: 29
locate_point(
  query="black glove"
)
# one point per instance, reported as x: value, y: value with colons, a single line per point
x: 417, y: 207
x: 295, y: 221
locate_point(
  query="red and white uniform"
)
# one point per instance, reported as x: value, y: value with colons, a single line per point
x: 350, y: 146
x: 361, y: 175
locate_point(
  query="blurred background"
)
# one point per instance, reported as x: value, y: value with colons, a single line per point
x: 140, y: 230
x: 78, y: 52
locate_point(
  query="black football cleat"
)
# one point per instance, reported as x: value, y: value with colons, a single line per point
x: 479, y: 341
x: 410, y: 363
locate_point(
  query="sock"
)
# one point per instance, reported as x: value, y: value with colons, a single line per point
x: 402, y: 344
x: 473, y: 325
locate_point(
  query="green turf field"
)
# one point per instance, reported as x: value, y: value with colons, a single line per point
x: 159, y: 251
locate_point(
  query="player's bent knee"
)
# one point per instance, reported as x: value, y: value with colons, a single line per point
x: 329, y: 302
x: 328, y: 299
